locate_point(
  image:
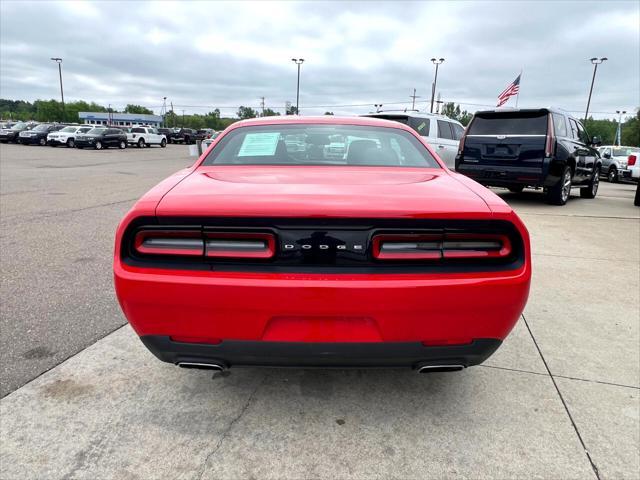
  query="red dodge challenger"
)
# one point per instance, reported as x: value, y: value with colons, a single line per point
x: 321, y: 242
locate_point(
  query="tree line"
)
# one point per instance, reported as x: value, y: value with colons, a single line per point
x: 51, y: 111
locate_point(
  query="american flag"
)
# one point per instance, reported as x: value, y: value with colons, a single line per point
x: 510, y: 91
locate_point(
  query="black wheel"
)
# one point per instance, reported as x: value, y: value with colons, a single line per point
x: 591, y: 189
x: 122, y: 145
x: 98, y: 145
x: 71, y: 143
x: 42, y: 142
x: 612, y: 176
x: 636, y: 200
x: 163, y: 143
x: 516, y: 188
x: 141, y: 143
x: 560, y: 192
x: 187, y: 140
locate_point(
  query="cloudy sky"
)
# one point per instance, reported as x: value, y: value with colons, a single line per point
x: 203, y: 55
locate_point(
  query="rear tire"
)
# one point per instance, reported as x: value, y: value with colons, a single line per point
x: 141, y: 143
x: 516, y: 188
x: 591, y: 190
x: 98, y: 145
x: 560, y: 193
x: 636, y: 200
x: 163, y: 143
x: 122, y: 145
x: 612, y: 175
x: 42, y: 142
x: 71, y: 143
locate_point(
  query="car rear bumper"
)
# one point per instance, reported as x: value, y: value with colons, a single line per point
x: 304, y: 354
x: 437, y: 309
x: 502, y: 176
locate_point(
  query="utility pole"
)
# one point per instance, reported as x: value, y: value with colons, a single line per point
x: 59, y: 62
x: 182, y: 118
x: 437, y: 63
x: 619, y: 132
x: 378, y: 107
x: 262, y: 105
x: 596, y: 61
x: 438, y: 104
x: 173, y: 116
x: 163, y: 113
x: 298, y: 62
x: 413, y: 97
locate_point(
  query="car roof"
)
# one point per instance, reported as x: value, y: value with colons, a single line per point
x: 322, y: 120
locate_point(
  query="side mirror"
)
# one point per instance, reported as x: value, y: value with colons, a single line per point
x: 606, y: 155
x: 596, y: 142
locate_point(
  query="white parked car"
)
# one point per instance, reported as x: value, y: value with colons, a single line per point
x: 67, y: 136
x: 145, y: 137
x: 442, y: 133
x: 617, y: 161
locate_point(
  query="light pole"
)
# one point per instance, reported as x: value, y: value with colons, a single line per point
x: 378, y: 107
x: 596, y: 61
x: 436, y: 62
x: 59, y: 62
x: 298, y: 62
x: 619, y: 132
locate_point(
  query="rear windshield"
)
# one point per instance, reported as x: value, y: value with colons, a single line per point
x: 420, y: 125
x: 320, y: 145
x: 624, y: 151
x: 138, y: 130
x: 516, y: 123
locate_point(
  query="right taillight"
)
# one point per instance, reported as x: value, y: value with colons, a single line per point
x: 631, y: 160
x: 441, y: 246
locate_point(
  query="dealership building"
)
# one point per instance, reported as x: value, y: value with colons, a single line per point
x: 119, y: 119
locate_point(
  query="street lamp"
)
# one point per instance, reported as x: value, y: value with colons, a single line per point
x: 378, y: 107
x: 619, y: 132
x: 596, y: 61
x: 59, y: 62
x: 437, y: 63
x: 298, y: 62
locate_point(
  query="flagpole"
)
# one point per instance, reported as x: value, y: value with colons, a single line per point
x: 518, y: 96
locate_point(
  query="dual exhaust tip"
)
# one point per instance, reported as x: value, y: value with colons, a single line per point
x: 422, y: 368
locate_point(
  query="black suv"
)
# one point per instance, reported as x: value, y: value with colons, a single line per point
x: 38, y: 134
x: 541, y: 148
x: 184, y: 135
x: 102, y: 137
x: 11, y: 133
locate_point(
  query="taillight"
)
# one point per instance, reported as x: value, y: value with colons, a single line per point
x: 239, y: 245
x: 548, y: 149
x: 461, y: 144
x: 168, y: 242
x: 441, y: 246
x: 211, y: 244
x: 631, y: 160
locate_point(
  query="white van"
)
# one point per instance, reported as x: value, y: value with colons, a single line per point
x: 442, y: 133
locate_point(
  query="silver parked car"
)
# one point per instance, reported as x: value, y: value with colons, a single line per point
x: 615, y: 161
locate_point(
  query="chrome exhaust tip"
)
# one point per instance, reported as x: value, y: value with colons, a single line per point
x: 202, y: 366
x: 440, y: 368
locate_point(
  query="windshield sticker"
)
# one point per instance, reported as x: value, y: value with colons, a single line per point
x: 421, y: 126
x: 259, y: 144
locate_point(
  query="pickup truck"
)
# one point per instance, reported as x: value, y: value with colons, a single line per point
x: 145, y: 137
x: 184, y: 135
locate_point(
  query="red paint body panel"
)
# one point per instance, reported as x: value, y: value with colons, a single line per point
x: 317, y: 307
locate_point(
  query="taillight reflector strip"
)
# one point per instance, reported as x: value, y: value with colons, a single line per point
x: 239, y: 245
x: 436, y: 247
x: 168, y: 242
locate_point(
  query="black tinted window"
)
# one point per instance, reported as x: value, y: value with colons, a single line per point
x: 582, y: 134
x: 444, y: 130
x: 137, y: 130
x: 420, y: 125
x: 516, y: 123
x: 559, y: 125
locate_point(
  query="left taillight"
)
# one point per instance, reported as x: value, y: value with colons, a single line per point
x: 631, y: 160
x: 204, y: 244
x: 441, y: 246
x: 168, y: 242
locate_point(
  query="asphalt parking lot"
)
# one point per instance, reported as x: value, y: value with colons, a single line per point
x: 82, y: 398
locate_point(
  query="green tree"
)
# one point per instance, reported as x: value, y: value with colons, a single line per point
x: 631, y: 131
x: 269, y: 113
x: 291, y: 110
x: 453, y: 111
x: 246, y: 112
x: 328, y: 113
x: 130, y: 108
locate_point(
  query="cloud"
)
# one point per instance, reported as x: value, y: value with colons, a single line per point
x: 225, y: 54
